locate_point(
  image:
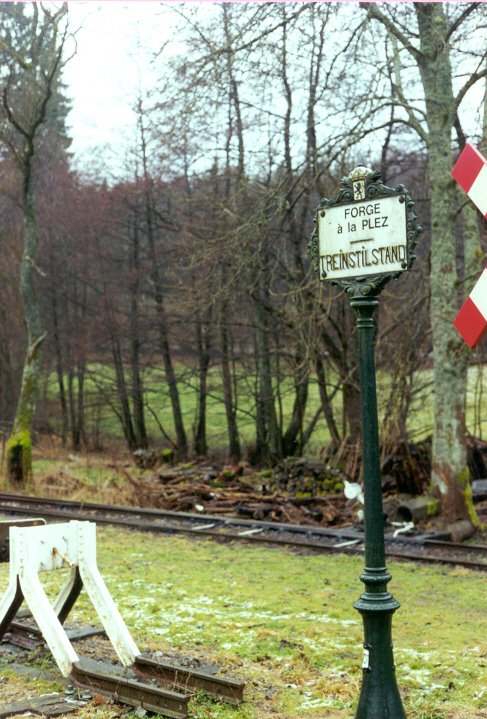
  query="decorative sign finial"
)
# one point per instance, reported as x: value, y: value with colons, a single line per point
x: 358, y: 177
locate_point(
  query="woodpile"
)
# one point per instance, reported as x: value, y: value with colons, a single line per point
x: 477, y: 457
x: 203, y: 490
x: 405, y: 466
x: 296, y: 491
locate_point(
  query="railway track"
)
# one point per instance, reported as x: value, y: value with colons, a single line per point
x: 139, y: 680
x: 419, y: 548
x: 168, y: 689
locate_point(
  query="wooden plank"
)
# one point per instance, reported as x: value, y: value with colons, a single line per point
x: 49, y: 705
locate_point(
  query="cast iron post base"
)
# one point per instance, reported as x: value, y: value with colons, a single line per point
x: 379, y: 696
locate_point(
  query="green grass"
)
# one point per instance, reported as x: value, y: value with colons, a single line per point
x: 100, y: 393
x: 100, y: 412
x: 285, y: 624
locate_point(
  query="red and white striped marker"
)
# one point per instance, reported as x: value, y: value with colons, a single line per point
x: 471, y: 321
x: 470, y: 171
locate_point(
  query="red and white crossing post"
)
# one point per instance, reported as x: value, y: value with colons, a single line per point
x: 470, y: 171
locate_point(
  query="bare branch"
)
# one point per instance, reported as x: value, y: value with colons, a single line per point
x: 460, y: 19
x: 470, y: 83
x: 8, y: 111
x: 376, y: 14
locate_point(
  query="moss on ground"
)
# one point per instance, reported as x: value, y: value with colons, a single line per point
x: 285, y: 624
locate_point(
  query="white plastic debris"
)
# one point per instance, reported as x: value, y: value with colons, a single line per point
x: 353, y: 490
x: 406, y: 527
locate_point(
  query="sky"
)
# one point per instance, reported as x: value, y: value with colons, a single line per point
x: 115, y: 45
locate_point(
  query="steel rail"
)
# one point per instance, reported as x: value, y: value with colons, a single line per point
x: 165, y: 513
x: 217, y: 527
x: 177, y: 529
x: 455, y: 546
x: 103, y: 678
x: 189, y: 680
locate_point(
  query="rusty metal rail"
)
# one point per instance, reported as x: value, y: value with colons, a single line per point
x: 421, y: 548
x: 125, y: 686
x: 168, y: 522
x: 204, y: 524
x: 225, y: 689
x: 27, y: 636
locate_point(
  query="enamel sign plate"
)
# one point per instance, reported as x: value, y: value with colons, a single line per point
x: 363, y: 238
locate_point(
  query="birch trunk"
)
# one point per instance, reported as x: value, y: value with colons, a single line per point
x: 450, y: 475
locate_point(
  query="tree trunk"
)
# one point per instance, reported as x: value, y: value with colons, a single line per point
x: 8, y: 370
x: 137, y: 393
x: 326, y: 403
x: 159, y: 298
x: 32, y: 67
x: 271, y: 450
x: 203, y: 345
x: 137, y: 390
x: 271, y: 446
x: 125, y: 415
x: 80, y: 371
x: 259, y: 454
x: 76, y: 396
x: 19, y: 445
x: 171, y: 379
x: 59, y: 367
x: 75, y: 435
x: 164, y: 344
x: 292, y: 440
x: 232, y: 428
x: 450, y: 474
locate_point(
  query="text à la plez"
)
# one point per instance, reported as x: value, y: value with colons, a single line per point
x: 368, y: 218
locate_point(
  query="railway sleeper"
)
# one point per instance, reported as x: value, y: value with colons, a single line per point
x: 29, y: 636
x: 43, y: 548
x: 48, y: 705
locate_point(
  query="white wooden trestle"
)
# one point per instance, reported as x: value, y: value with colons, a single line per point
x: 56, y: 546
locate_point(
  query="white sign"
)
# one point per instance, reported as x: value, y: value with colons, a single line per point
x: 363, y: 238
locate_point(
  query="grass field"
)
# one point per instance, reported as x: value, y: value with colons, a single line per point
x: 103, y: 422
x: 285, y: 624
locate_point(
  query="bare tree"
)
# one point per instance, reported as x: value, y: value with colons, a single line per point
x: 32, y: 47
x: 428, y: 37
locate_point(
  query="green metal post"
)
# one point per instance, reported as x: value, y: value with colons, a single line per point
x: 379, y: 696
x: 357, y: 256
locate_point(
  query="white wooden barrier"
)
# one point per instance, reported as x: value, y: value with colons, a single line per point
x: 56, y: 546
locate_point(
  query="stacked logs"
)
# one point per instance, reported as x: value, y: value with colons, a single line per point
x: 207, y: 492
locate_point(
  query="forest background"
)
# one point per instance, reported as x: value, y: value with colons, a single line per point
x: 177, y: 307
